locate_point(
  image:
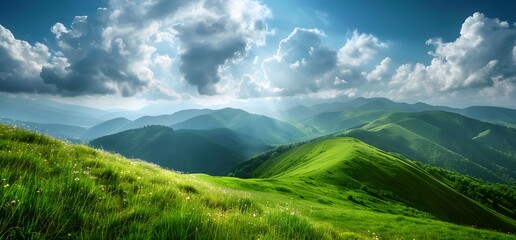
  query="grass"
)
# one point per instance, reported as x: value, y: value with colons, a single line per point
x: 478, y: 149
x: 54, y: 190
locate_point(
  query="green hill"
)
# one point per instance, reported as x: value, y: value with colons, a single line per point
x: 55, y: 190
x: 340, y: 116
x: 331, y: 122
x: 479, y: 149
x: 196, y: 151
x: 502, y: 116
x: 269, y: 130
x: 349, y: 164
x: 296, y: 113
x: 105, y: 128
x: 121, y: 124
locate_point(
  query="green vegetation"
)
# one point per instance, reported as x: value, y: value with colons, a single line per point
x: 50, y: 189
x: 499, y: 197
x: 195, y: 151
x: 331, y: 122
x: 478, y: 149
x: 268, y: 130
x: 349, y: 164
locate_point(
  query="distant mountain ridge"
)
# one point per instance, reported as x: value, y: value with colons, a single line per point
x: 121, y: 124
x: 267, y: 129
x: 479, y: 149
x: 195, y: 151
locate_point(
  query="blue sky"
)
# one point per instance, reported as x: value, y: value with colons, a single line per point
x: 111, y: 53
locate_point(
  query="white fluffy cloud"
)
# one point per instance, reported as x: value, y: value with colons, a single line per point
x: 303, y: 65
x: 215, y: 34
x: 380, y: 72
x: 480, y: 58
x: 118, y: 49
x: 21, y: 63
x: 359, y: 50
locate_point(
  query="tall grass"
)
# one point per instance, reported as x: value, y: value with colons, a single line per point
x: 55, y: 190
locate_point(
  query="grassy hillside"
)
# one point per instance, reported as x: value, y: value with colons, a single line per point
x: 269, y: 130
x: 479, y: 149
x: 195, y: 151
x: 349, y: 164
x: 55, y: 190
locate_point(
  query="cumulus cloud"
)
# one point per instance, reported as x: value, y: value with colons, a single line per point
x: 359, y: 49
x: 301, y: 64
x: 118, y: 49
x: 216, y: 34
x: 92, y: 63
x: 21, y: 63
x: 380, y: 72
x: 480, y: 58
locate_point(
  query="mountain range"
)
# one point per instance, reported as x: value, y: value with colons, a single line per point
x: 479, y: 149
x: 329, y: 188
x: 476, y: 141
x: 196, y: 151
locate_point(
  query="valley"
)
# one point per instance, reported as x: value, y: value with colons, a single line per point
x: 368, y: 168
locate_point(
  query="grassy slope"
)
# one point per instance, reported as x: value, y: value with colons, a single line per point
x: 51, y: 189
x: 350, y: 164
x: 479, y: 149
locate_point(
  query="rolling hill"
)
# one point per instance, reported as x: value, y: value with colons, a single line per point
x: 109, y: 197
x: 106, y: 128
x: 498, y: 115
x: 296, y: 113
x: 333, y: 117
x: 349, y: 164
x: 452, y: 141
x: 269, y: 130
x: 197, y: 151
x: 121, y: 124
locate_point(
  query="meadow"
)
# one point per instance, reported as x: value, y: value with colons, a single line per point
x: 56, y: 190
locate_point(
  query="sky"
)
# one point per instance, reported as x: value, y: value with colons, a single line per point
x: 258, y: 54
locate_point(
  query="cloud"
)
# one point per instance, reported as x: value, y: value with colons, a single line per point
x: 20, y: 64
x: 480, y: 58
x: 93, y: 63
x: 380, y: 72
x: 359, y: 50
x: 301, y: 64
x: 163, y: 61
x: 125, y: 49
x: 216, y: 34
